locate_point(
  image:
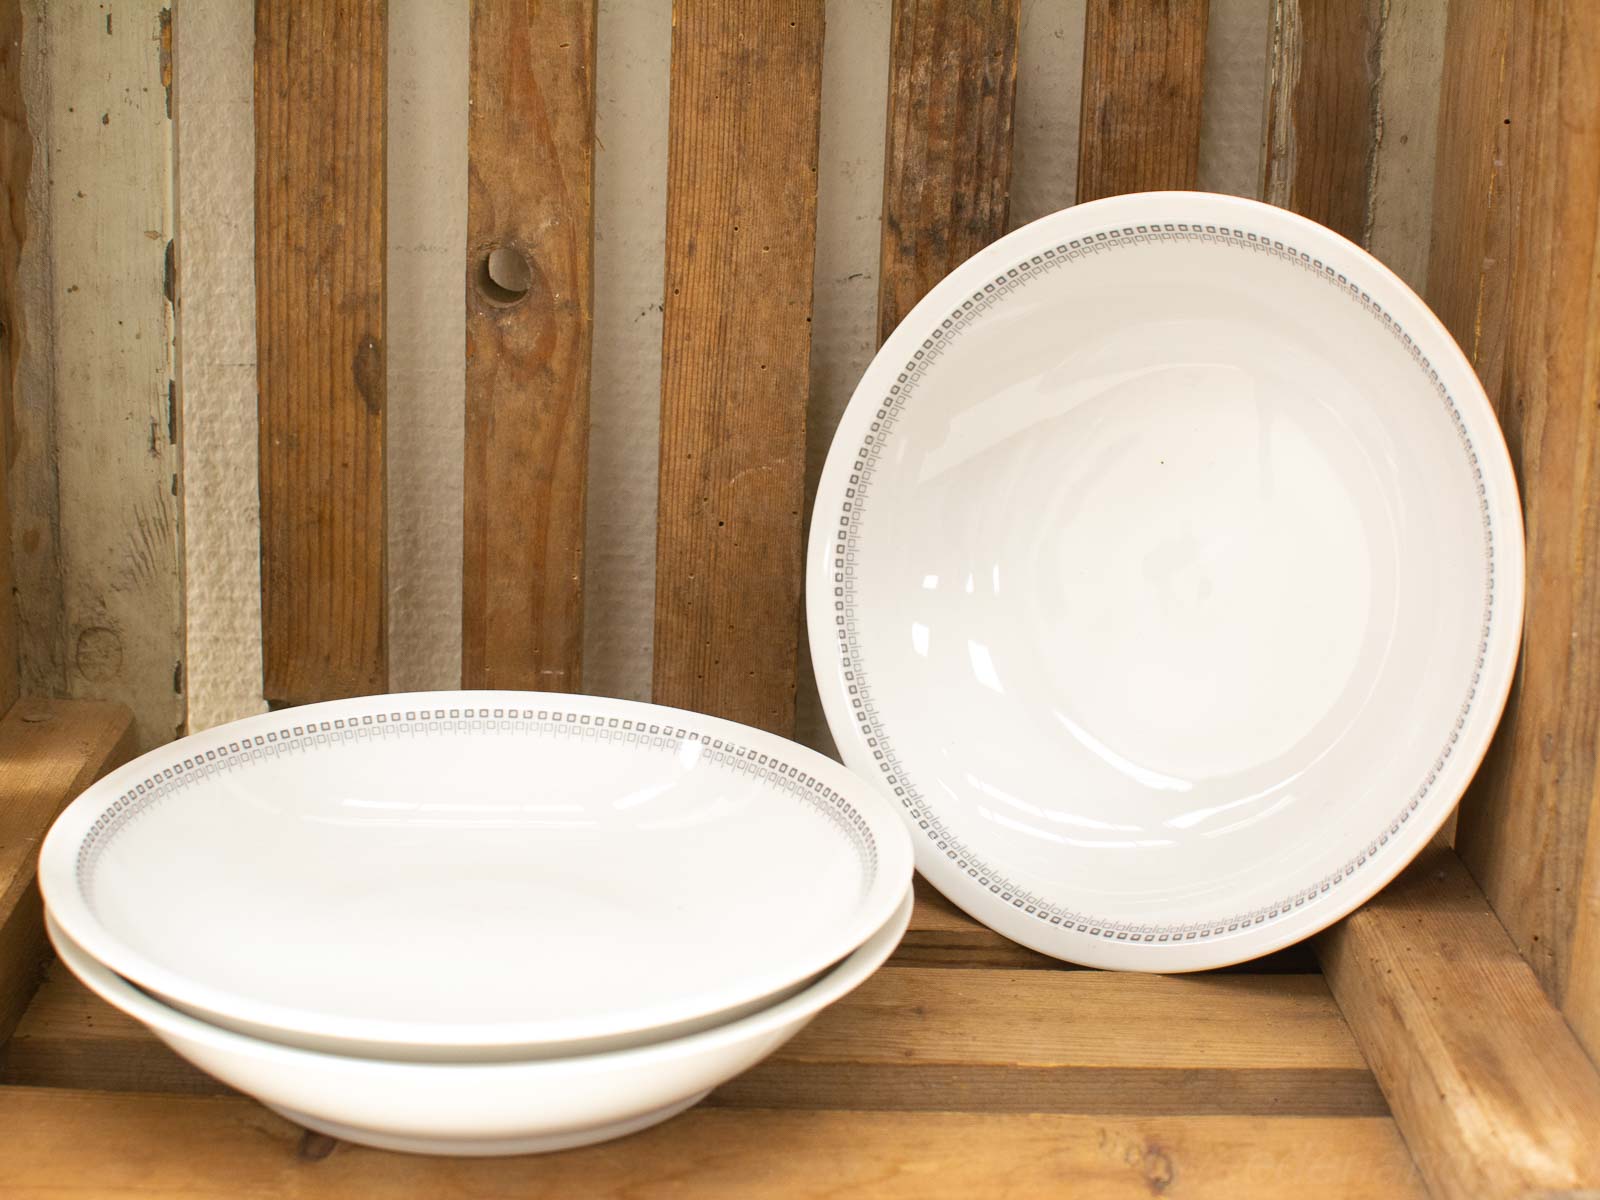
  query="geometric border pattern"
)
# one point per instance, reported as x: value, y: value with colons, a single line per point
x: 309, y: 737
x: 845, y: 557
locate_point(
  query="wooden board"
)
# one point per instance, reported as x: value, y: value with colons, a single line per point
x: 114, y: 419
x: 16, y: 160
x: 917, y: 1039
x: 1470, y: 256
x: 320, y: 246
x: 736, y: 342
x: 947, y: 168
x: 1322, y: 110
x: 49, y: 752
x: 1525, y: 824
x: 66, y: 1144
x: 1143, y: 75
x: 1493, y: 1093
x: 530, y: 183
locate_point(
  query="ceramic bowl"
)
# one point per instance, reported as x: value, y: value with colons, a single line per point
x: 485, y: 1107
x: 1167, y: 573
x: 479, y: 874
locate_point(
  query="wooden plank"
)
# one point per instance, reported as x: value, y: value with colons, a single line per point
x: 109, y: 134
x: 1526, y: 822
x: 1492, y: 1091
x: 917, y: 1039
x: 93, y: 1144
x: 1470, y: 255
x: 530, y: 184
x: 947, y: 159
x: 16, y: 160
x: 736, y: 340
x: 1143, y: 75
x: 49, y: 752
x: 1322, y: 108
x: 320, y: 246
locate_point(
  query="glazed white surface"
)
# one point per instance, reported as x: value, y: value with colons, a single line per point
x: 445, y: 885
x: 1169, y: 598
x: 486, y: 1108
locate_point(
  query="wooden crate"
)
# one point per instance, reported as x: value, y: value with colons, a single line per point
x: 1440, y: 1041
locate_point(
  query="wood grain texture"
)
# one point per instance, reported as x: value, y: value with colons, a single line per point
x: 1526, y: 823
x: 16, y: 161
x: 736, y: 342
x: 49, y: 752
x: 1143, y: 75
x: 320, y: 245
x: 530, y: 184
x: 1322, y: 111
x: 1469, y: 257
x: 112, y: 285
x: 916, y: 1039
x: 947, y: 158
x: 67, y: 1144
x: 1492, y: 1091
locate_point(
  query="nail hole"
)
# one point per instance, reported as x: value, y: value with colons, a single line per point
x: 505, y: 276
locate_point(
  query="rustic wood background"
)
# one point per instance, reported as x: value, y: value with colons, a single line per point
x: 213, y: 506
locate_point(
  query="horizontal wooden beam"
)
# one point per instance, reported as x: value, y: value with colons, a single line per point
x: 50, y: 750
x: 81, y: 1144
x: 1488, y: 1084
x: 918, y: 1039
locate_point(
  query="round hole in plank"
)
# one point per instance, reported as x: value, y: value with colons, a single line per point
x: 505, y: 276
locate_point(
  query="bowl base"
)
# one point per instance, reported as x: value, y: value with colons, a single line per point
x: 541, y: 1143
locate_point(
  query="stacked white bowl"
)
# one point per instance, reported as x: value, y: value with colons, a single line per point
x: 477, y: 922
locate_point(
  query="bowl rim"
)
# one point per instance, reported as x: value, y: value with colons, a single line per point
x: 1104, y: 948
x: 835, y: 983
x: 59, y: 883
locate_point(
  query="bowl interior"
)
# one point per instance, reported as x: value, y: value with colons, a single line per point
x: 465, y: 870
x: 1168, y: 578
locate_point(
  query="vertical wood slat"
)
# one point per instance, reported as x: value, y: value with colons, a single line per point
x: 1143, y: 76
x: 111, y: 430
x: 1321, y: 132
x: 1527, y: 827
x: 947, y: 169
x: 530, y: 177
x: 320, y: 245
x: 736, y: 339
x: 16, y: 160
x: 1469, y: 257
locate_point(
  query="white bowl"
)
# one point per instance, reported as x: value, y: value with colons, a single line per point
x: 1167, y: 572
x: 485, y: 1108
x: 477, y: 874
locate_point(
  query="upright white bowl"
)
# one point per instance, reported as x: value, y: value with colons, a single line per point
x: 1167, y: 573
x: 474, y: 874
x: 485, y: 1107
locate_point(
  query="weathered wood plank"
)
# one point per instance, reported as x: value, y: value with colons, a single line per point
x: 947, y: 169
x: 917, y: 1039
x: 1526, y: 822
x: 530, y: 223
x: 16, y: 161
x: 49, y: 752
x: 1143, y: 76
x: 741, y: 229
x: 1470, y: 249
x: 1493, y: 1093
x: 1322, y: 109
x: 109, y: 133
x: 320, y: 246
x: 93, y: 1144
